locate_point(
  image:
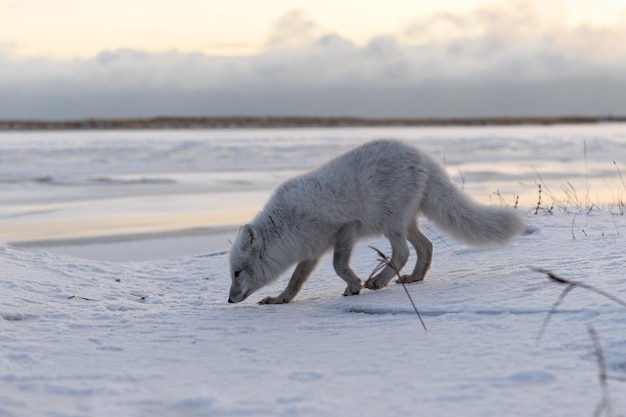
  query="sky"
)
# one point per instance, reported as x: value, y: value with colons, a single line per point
x: 68, y: 59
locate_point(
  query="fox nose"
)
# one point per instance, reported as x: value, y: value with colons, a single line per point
x: 230, y: 300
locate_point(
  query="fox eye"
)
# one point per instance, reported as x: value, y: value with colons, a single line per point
x: 237, y: 274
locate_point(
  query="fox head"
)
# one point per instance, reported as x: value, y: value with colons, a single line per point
x: 247, y: 267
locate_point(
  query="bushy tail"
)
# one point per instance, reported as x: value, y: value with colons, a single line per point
x: 467, y: 221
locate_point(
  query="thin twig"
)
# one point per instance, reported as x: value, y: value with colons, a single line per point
x: 539, y: 200
x: 553, y: 310
x: 586, y: 177
x: 79, y: 297
x: 384, y: 260
x: 441, y: 239
x: 580, y: 285
x: 620, y: 175
x: 570, y: 286
x: 605, y: 402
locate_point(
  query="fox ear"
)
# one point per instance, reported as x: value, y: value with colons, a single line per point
x: 251, y: 236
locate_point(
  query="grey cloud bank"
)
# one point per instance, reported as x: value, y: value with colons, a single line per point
x: 501, y: 61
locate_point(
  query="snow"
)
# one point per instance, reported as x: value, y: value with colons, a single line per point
x: 93, y: 338
x: 155, y: 336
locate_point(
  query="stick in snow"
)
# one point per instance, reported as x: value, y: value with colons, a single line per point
x: 384, y: 260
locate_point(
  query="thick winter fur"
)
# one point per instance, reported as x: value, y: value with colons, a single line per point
x: 378, y: 188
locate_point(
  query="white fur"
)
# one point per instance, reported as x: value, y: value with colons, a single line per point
x: 378, y: 188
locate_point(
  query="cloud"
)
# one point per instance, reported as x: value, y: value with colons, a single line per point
x: 293, y: 29
x: 512, y: 58
x: 533, y: 37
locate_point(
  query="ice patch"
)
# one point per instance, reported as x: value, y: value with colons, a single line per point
x: 532, y: 377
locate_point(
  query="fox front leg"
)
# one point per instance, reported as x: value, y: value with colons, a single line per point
x: 299, y: 276
x: 344, y: 242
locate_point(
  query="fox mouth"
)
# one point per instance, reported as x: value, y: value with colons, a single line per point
x: 238, y: 299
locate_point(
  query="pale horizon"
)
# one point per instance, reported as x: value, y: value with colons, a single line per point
x: 61, y: 29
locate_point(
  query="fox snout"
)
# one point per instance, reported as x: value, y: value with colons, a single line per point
x: 238, y: 294
x: 237, y: 298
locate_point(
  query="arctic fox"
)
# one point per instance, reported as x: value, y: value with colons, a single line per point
x: 378, y: 188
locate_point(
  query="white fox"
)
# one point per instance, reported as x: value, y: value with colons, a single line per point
x: 378, y: 188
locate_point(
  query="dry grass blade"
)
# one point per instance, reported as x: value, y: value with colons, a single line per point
x: 539, y: 200
x: 381, y: 264
x: 384, y: 260
x: 79, y: 297
x: 605, y: 402
x: 621, y: 177
x: 553, y: 310
x: 587, y: 287
x: 570, y: 286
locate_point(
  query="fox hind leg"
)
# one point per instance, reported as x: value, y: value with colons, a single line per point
x: 423, y: 249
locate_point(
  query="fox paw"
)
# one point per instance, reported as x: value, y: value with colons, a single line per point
x: 352, y: 290
x: 407, y: 279
x: 274, y: 300
x: 376, y: 284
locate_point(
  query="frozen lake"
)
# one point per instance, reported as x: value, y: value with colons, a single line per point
x: 66, y: 185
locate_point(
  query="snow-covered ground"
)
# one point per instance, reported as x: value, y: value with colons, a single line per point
x: 109, y: 326
x: 93, y: 338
